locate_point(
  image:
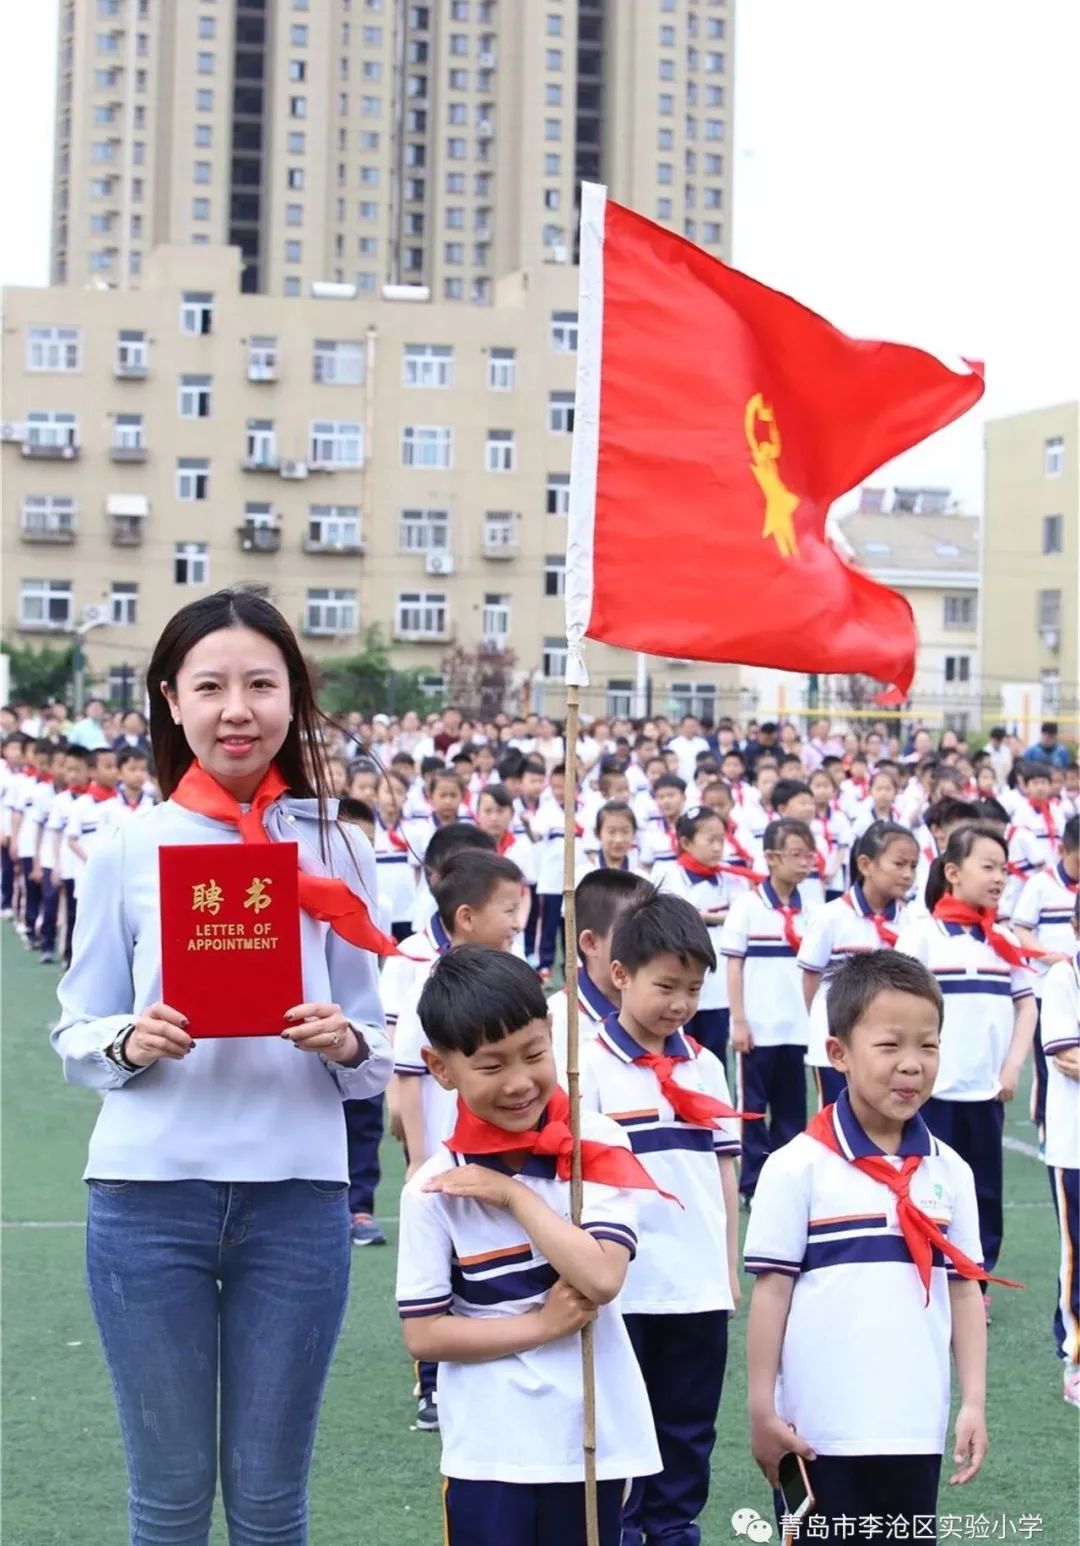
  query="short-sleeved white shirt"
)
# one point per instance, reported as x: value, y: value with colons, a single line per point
x: 772, y: 982
x: 64, y: 861
x: 402, y: 973
x: 659, y: 845
x: 83, y: 825
x: 1060, y: 1031
x: 593, y: 1010
x: 980, y: 991
x: 519, y: 1418
x: 681, y: 1266
x: 836, y: 932
x: 1045, y: 906
x: 709, y: 894
x: 550, y: 828
x: 439, y: 1106
x: 857, y: 1293
x: 30, y: 794
x: 396, y: 870
x: 36, y: 816
x: 117, y: 812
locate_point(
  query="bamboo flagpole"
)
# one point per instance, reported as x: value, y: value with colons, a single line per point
x: 578, y: 599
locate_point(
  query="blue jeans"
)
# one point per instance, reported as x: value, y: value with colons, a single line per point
x: 200, y: 1287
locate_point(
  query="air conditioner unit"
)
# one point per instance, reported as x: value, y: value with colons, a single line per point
x: 94, y: 615
x: 1051, y: 638
x: 13, y: 432
x: 68, y: 453
x: 439, y: 563
x: 289, y: 469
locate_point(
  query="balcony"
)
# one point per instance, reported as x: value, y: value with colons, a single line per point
x: 262, y: 370
x: 130, y: 370
x: 126, y: 531
x: 316, y: 545
x: 44, y: 625
x: 58, y: 530
x: 265, y: 461
x: 127, y: 453
x: 50, y: 450
x: 258, y: 539
x: 501, y: 547
x: 413, y: 636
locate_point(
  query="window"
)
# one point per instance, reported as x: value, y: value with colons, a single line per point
x: 553, y: 663
x: 262, y: 358
x: 455, y: 149
x: 294, y: 214
x: 555, y: 574
x: 1051, y: 690
x: 495, y: 620
x: 370, y: 107
x: 124, y: 604
x: 191, y: 564
x: 298, y: 107
x: 714, y: 129
x: 499, y: 530
x: 663, y: 209
x: 499, y: 455
x: 714, y: 63
x: 128, y: 432
x: 44, y: 428
x: 369, y: 176
x: 697, y: 698
x: 453, y: 289
x: 423, y: 531
x: 422, y: 614
x: 620, y: 698
x: 202, y: 172
x: 298, y: 35
x: 664, y: 172
x: 192, y: 478
x: 711, y: 232
x: 334, y: 526
x: 329, y: 611
x: 561, y: 412
x: 552, y: 163
x: 295, y: 142
x: 553, y: 58
x: 102, y: 187
x: 959, y: 612
x: 206, y: 26
x: 132, y: 351
x: 200, y: 209
x: 558, y: 493
x: 294, y: 177
x: 47, y: 514
x: 667, y: 69
x: 455, y: 218
x: 194, y: 397
x: 204, y: 135
x: 337, y: 443
x: 338, y: 361
x: 54, y: 348
x: 45, y: 604
x: 564, y: 330
x: 1054, y: 456
x: 958, y: 668
x: 291, y: 286
x: 665, y: 104
x: 553, y: 129
x: 428, y: 365
x: 196, y: 312
x: 1052, y: 534
x: 554, y: 25
x: 293, y: 250
x: 1049, y: 611
x: 454, y: 252
x: 427, y: 445
x: 204, y: 64
x: 260, y: 443
x: 502, y: 370
x: 204, y: 100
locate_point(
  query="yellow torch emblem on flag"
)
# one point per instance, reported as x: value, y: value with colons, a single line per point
x: 780, y: 502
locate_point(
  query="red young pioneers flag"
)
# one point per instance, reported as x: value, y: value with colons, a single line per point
x: 716, y: 422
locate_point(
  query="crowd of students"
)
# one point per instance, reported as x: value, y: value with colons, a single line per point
x: 899, y: 918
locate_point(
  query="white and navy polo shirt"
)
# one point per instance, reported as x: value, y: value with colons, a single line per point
x: 397, y: 875
x: 593, y: 1010
x: 519, y: 1418
x: 83, y: 825
x: 439, y: 1106
x: 772, y: 983
x: 834, y: 1230
x: 709, y: 894
x: 402, y: 974
x: 836, y: 932
x: 1060, y: 1031
x: 659, y: 845
x: 980, y: 992
x: 1046, y: 907
x: 681, y: 1266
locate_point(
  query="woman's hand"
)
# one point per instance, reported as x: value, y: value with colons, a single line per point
x: 323, y: 1028
x: 160, y: 1032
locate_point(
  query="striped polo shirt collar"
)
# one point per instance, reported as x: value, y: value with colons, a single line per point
x: 953, y: 929
x: 600, y: 1006
x: 916, y: 1137
x: 770, y: 896
x: 623, y: 1045
x: 442, y: 940
x: 535, y: 1164
x: 863, y: 908
x: 1064, y: 877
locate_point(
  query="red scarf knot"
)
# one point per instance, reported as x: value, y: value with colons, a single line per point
x: 690, y: 1105
x: 951, y: 910
x: 325, y: 897
x: 98, y: 792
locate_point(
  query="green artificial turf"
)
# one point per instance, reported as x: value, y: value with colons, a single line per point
x: 376, y: 1483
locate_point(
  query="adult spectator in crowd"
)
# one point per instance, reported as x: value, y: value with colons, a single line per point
x: 90, y: 730
x: 1048, y: 749
x: 133, y: 734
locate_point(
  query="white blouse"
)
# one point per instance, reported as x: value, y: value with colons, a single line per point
x: 235, y: 1109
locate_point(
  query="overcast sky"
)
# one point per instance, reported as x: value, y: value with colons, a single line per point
x: 906, y: 167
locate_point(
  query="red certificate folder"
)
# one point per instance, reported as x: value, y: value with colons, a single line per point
x: 230, y: 936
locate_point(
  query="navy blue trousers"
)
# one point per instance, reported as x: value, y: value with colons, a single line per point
x: 711, y: 1027
x: 858, y: 1486
x: 364, y: 1130
x: 552, y: 930
x: 828, y: 1082
x: 7, y: 879
x: 974, y: 1128
x: 50, y: 908
x: 33, y: 894
x: 683, y: 1358
x: 773, y: 1080
x: 69, y: 926
x: 524, y: 1514
x: 1065, y: 1189
x: 532, y: 925
x: 1039, y: 1077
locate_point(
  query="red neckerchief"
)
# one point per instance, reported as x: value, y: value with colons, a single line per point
x: 789, y: 914
x: 1042, y: 808
x: 821, y: 860
x: 690, y: 1105
x: 98, y: 793
x: 42, y: 778
x: 951, y: 910
x: 506, y: 842
x: 739, y: 847
x: 395, y: 837
x: 601, y: 1162
x: 131, y: 804
x: 75, y: 790
x: 885, y: 934
x: 710, y: 871
x: 921, y: 1234
x: 322, y: 896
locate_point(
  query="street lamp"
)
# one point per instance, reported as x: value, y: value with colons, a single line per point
x: 93, y: 617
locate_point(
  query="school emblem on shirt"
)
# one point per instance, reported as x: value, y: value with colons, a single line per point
x: 780, y: 502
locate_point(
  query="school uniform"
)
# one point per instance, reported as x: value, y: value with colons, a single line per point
x: 710, y: 893
x: 439, y: 1106
x: 42, y: 896
x: 65, y: 861
x: 397, y: 877
x: 1061, y: 1030
x: 593, y: 1009
x: 980, y: 992
x: 840, y: 930
x: 771, y: 1078
x: 832, y: 840
x: 677, y: 1295
x: 8, y: 798
x: 83, y: 825
x: 26, y: 843
x: 512, y: 1427
x: 1045, y: 907
x: 659, y: 846
x: 551, y: 829
x: 522, y: 825
x: 834, y: 1231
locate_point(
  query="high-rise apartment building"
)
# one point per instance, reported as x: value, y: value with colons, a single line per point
x: 372, y: 141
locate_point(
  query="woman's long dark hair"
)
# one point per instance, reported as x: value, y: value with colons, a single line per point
x: 301, y: 760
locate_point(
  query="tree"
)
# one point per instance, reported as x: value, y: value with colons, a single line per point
x: 38, y: 675
x: 367, y: 683
x: 481, y: 682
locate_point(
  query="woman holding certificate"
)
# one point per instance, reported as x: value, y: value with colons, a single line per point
x: 223, y: 997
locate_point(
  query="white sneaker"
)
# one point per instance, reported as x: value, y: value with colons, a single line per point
x: 1071, y: 1384
x: 7, y: 912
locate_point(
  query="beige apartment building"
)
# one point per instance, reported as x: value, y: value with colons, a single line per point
x: 400, y: 462
x: 1031, y: 564
x: 372, y: 141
